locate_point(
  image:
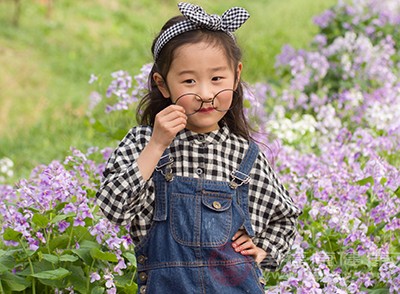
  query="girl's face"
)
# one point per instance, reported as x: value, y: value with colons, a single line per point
x: 204, y: 70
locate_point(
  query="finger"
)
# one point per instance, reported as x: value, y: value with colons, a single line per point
x: 172, y: 108
x: 242, y: 239
x: 249, y: 252
x: 171, y: 116
x: 245, y: 246
x: 237, y: 235
x: 172, y: 120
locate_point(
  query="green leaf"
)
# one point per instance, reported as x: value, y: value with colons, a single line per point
x: 131, y: 257
x: 38, y: 267
x: 56, y: 274
x: 124, y: 281
x: 84, y: 254
x: 376, y: 291
x: 99, y: 290
x: 60, y: 206
x: 14, y: 282
x: 7, y: 260
x: 3, y: 268
x: 78, y: 279
x: 383, y: 181
x: 11, y: 235
x: 51, y: 258
x: 40, y: 220
x: 365, y: 181
x: 131, y: 288
x: 59, y: 242
x: 107, y: 256
x: 68, y: 257
x: 60, y: 217
x: 397, y: 192
x: 89, y: 244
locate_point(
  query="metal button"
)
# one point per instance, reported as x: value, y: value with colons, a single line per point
x: 142, y: 290
x: 217, y: 205
x: 141, y: 259
x: 262, y: 280
x: 199, y: 171
x: 202, y: 138
x: 143, y: 276
x: 169, y: 177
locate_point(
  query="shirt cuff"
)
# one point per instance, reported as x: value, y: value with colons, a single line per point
x: 274, y: 257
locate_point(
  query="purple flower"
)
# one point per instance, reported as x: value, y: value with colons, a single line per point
x: 93, y: 78
x: 120, y: 266
x: 94, y: 277
x: 109, y: 280
x: 324, y: 19
x: 33, y: 244
x: 63, y: 225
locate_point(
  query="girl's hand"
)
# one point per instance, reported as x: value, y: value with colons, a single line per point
x: 245, y: 246
x: 167, y: 124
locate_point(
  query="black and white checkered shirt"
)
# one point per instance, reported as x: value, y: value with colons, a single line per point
x: 126, y: 198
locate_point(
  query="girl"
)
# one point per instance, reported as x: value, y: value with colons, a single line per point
x: 205, y: 208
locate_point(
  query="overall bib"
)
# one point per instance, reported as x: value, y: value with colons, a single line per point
x: 189, y: 248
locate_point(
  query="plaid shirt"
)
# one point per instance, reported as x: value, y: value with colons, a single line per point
x: 126, y: 198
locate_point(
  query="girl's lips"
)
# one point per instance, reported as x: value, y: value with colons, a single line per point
x: 206, y: 110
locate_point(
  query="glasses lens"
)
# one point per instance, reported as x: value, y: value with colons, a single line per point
x: 190, y: 102
x: 224, y: 100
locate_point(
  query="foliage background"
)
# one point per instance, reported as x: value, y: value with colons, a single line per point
x: 333, y: 108
x: 46, y: 61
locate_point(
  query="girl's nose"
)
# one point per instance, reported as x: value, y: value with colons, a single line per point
x: 206, y: 95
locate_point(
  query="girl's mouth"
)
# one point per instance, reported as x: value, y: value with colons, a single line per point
x: 206, y: 110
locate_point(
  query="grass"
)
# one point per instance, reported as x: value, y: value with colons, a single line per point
x: 46, y: 62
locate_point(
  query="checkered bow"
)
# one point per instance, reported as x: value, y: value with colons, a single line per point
x: 197, y: 18
x: 229, y: 21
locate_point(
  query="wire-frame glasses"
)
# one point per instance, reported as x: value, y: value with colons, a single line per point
x: 223, y: 101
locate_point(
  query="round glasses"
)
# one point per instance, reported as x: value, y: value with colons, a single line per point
x: 222, y: 101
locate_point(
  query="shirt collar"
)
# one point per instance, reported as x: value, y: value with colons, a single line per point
x: 214, y: 137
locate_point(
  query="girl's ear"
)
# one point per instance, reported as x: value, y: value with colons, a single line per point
x: 161, y: 85
x: 238, y: 72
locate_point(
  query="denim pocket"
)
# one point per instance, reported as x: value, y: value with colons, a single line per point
x: 201, y: 220
x: 185, y: 218
x: 216, y: 219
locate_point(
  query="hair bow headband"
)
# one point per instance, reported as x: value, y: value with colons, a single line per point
x: 197, y: 18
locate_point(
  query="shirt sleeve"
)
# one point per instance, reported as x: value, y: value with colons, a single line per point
x: 273, y: 214
x: 122, y: 192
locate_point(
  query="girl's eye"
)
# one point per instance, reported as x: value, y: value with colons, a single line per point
x: 189, y: 81
x: 215, y: 79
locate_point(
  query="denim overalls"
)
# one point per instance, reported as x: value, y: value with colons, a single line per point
x: 188, y: 248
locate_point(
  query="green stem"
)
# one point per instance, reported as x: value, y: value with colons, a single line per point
x: 31, y: 267
x: 88, y: 276
x: 132, y: 280
x: 70, y: 238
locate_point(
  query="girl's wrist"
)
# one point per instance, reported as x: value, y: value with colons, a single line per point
x: 157, y: 146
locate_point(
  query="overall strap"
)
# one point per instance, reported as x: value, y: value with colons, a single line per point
x: 240, y: 180
x: 161, y: 176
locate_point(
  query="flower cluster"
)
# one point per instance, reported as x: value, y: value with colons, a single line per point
x: 55, y: 236
x: 6, y: 169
